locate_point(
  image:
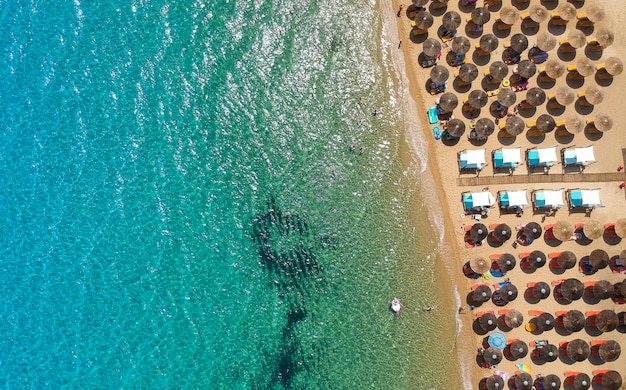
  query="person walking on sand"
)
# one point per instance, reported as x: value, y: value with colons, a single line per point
x: 400, y: 43
x: 400, y: 9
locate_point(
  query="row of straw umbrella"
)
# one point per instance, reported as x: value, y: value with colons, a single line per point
x: 610, y: 380
x: 572, y: 320
x: 562, y: 230
x: 597, y: 259
x: 571, y: 290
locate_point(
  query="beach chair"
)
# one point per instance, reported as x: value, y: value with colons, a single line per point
x: 597, y: 376
x: 557, y: 20
x: 538, y: 343
x: 570, y: 376
x: 609, y: 230
x: 475, y: 286
x: 557, y: 282
x: 494, y: 256
x: 583, y: 20
x: 554, y: 255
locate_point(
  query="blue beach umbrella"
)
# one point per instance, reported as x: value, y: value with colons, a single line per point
x: 497, y: 340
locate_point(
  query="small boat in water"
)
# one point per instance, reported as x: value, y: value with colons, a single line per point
x: 396, y: 305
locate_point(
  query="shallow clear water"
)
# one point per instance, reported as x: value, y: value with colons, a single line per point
x: 181, y: 208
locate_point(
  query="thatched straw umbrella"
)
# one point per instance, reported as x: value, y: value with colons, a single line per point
x: 506, y: 97
x: 480, y: 15
x: 494, y: 382
x: 576, y: 39
x: 610, y: 351
x: 582, y: 381
x: 424, y: 20
x: 605, y: 37
x: 481, y: 294
x: 565, y: 96
x: 420, y: 3
x: 595, y: 14
x: 532, y: 230
x: 563, y: 230
x: 572, y: 289
x: 484, y: 127
x: 523, y: 381
x: 614, y: 66
x: 541, y: 290
x: 478, y: 232
x: 502, y: 232
x: 498, y: 70
x: 622, y: 256
x: 451, y: 20
x: 468, y: 72
x: 456, y: 127
x: 488, y: 322
x: 545, y: 123
x: 594, y: 95
x: 477, y: 99
x: 448, y: 101
x: 603, y: 289
x: 513, y: 319
x: 526, y: 69
x: 607, y: 320
x: 603, y: 122
x: 555, y: 68
x: 508, y: 292
x: 566, y: 260
x: 567, y: 11
x: 535, y: 96
x: 551, y: 381
x: 538, y: 13
x: 612, y: 380
x: 461, y: 45
x: 514, y: 125
x: 518, y: 349
x: 546, y: 42
x: 488, y: 43
x: 545, y: 321
x: 536, y: 259
x: 439, y: 74
x: 620, y: 227
x: 431, y: 47
x: 574, y: 321
x: 506, y: 262
x: 574, y: 124
x: 598, y: 259
x: 519, y: 43
x: 480, y: 265
x: 549, y: 352
x: 584, y: 67
x: 509, y: 15
x: 492, y: 355
x: 577, y: 350
x: 593, y: 229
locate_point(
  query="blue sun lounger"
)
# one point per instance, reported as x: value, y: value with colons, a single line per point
x: 432, y: 115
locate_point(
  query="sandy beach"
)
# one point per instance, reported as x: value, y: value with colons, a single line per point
x: 603, y: 174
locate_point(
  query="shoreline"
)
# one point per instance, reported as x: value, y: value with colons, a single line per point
x: 417, y: 143
x: 445, y: 210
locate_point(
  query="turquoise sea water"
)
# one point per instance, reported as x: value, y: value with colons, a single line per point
x: 180, y: 207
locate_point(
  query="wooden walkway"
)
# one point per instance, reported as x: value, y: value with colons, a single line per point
x: 538, y: 178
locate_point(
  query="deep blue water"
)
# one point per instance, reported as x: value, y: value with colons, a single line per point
x: 179, y: 206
